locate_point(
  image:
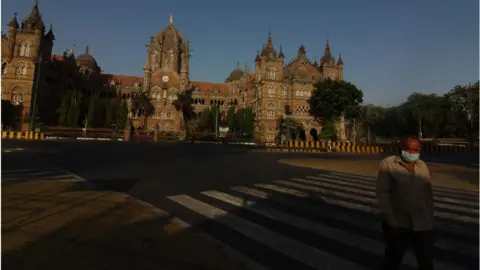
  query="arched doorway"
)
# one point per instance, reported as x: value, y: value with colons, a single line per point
x: 301, y: 133
x: 314, y: 134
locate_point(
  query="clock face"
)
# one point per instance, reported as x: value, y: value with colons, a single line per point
x: 165, y: 78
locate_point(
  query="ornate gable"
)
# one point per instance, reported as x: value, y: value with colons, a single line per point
x: 301, y: 68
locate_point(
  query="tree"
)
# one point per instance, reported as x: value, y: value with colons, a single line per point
x: 122, y: 115
x: 329, y: 130
x: 111, y: 108
x: 332, y: 99
x: 204, y: 120
x: 370, y: 116
x: 214, y: 117
x: 246, y: 121
x: 64, y: 108
x: 75, y: 109
x: 142, y: 107
x: 231, y: 118
x: 464, y: 100
x: 95, y: 111
x: 183, y: 104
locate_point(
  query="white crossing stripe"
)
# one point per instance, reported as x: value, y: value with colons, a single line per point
x: 346, y: 204
x: 438, y: 189
x: 436, y: 197
x: 366, y: 223
x: 283, y: 244
x: 341, y: 236
x: 324, y: 183
x: 367, y: 200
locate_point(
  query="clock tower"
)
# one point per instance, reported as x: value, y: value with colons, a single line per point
x: 166, y: 73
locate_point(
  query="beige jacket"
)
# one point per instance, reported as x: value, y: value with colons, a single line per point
x: 405, y: 199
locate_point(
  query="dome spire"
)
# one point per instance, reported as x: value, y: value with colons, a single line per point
x: 87, y: 50
x: 171, y: 18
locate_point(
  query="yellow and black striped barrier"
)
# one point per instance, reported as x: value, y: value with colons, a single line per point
x: 339, y: 147
x: 438, y: 148
x: 318, y: 147
x: 23, y: 135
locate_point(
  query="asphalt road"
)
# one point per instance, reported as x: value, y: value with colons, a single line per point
x: 170, y: 168
x: 278, y: 216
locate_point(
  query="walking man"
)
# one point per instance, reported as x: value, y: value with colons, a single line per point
x: 404, y: 192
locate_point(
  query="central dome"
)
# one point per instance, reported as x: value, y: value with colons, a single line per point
x: 169, y: 33
x: 86, y: 60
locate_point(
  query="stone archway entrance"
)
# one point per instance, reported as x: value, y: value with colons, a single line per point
x: 314, y: 134
x: 301, y: 134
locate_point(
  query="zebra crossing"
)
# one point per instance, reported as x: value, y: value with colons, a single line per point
x: 325, y: 221
x: 50, y: 174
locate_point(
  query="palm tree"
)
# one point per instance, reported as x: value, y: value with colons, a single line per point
x: 183, y: 104
x: 142, y: 106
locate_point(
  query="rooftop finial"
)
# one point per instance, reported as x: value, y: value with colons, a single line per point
x: 171, y: 18
x: 36, y: 2
x: 238, y: 64
x: 269, y: 30
x: 86, y: 50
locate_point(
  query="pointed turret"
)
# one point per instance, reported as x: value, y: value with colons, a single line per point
x: 13, y: 22
x: 327, y: 55
x: 280, y: 54
x: 34, y: 20
x: 50, y: 34
x: 257, y: 57
x: 340, y: 61
x: 302, y: 51
x: 269, y: 50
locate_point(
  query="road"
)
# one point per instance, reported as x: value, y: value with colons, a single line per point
x: 276, y: 215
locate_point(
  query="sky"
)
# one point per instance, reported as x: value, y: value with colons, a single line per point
x: 390, y: 48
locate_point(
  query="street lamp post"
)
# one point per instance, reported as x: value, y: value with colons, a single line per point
x: 420, y: 134
x: 35, y: 93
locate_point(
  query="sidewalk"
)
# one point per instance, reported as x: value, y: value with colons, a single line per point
x: 443, y: 175
x: 53, y: 225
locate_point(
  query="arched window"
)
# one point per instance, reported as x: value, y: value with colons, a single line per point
x: 25, y: 49
x: 271, y: 90
x: 17, y: 96
x: 21, y: 69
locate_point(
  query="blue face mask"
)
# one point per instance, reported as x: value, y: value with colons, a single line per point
x: 408, y: 157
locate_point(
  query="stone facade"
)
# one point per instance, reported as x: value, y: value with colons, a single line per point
x: 272, y: 85
x: 22, y: 48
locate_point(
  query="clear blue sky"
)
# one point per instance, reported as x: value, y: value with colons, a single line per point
x: 390, y: 48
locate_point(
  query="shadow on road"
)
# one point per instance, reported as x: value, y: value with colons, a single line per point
x: 277, y: 224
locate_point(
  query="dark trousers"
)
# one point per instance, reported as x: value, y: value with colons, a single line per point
x: 396, y: 243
